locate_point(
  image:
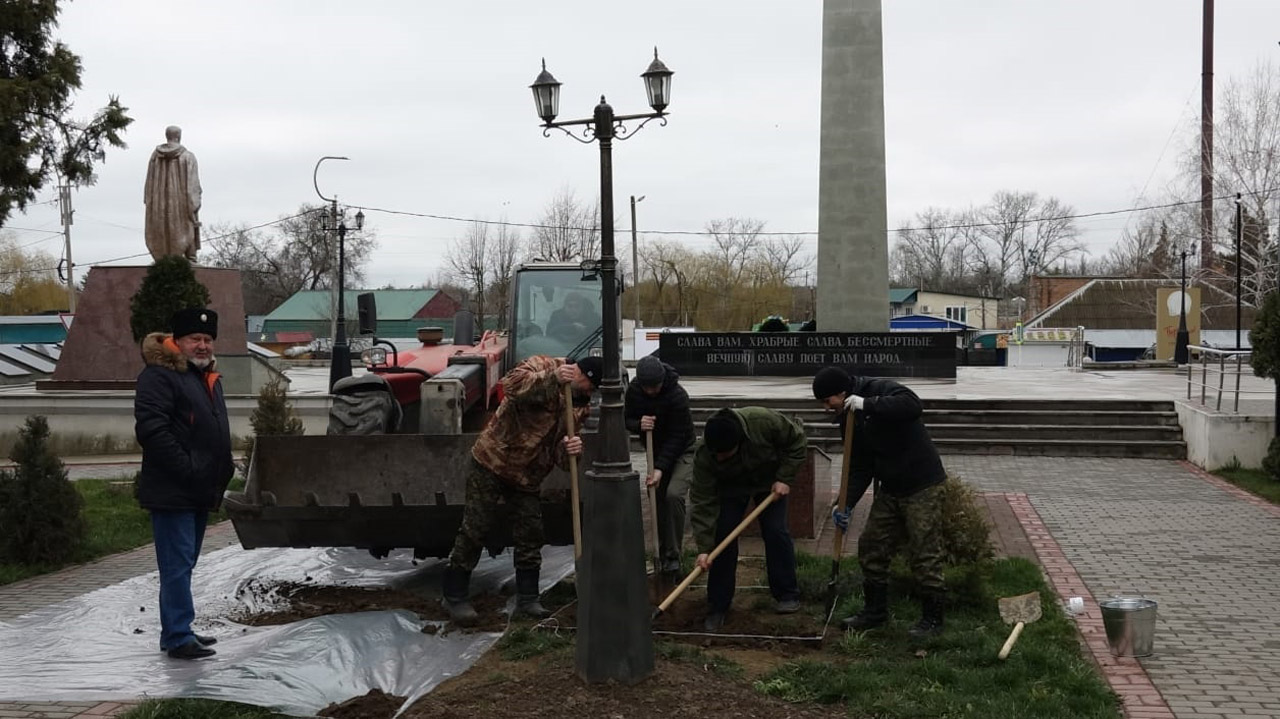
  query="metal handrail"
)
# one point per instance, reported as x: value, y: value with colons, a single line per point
x: 1240, y: 358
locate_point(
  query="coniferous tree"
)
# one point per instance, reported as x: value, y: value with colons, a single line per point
x: 1265, y: 358
x: 40, y: 509
x: 170, y: 285
x: 273, y: 415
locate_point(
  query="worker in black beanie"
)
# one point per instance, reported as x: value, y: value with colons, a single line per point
x: 746, y: 454
x: 892, y: 448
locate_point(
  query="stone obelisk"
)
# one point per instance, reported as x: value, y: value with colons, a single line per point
x: 853, y: 248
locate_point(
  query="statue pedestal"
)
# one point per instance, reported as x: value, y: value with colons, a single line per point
x: 100, y: 354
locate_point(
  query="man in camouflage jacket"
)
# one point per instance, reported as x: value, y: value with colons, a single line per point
x: 892, y: 447
x: 524, y: 441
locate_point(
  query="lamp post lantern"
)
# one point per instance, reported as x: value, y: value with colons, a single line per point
x: 340, y: 354
x: 614, y: 639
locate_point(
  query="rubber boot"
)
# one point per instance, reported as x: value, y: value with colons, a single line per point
x: 527, y: 603
x: 456, y: 585
x: 875, y: 609
x: 930, y: 624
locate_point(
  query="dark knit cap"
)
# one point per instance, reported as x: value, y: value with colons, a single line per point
x: 593, y: 369
x: 830, y: 381
x: 722, y: 433
x: 649, y: 371
x: 193, y: 320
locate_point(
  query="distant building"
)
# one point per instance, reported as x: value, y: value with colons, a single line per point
x: 400, y: 314
x: 975, y: 311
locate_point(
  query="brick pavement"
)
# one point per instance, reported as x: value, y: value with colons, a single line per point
x: 1207, y: 554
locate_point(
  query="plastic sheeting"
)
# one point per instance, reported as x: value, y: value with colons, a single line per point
x: 105, y: 645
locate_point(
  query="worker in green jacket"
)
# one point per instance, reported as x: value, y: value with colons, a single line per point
x: 745, y: 454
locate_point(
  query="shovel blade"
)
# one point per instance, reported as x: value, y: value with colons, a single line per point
x: 1023, y: 608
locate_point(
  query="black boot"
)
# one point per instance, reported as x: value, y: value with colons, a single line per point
x: 527, y: 595
x: 456, y: 585
x: 875, y: 608
x: 930, y: 624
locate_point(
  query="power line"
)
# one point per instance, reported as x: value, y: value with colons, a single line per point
x: 706, y: 233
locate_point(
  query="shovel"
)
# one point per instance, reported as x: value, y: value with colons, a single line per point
x: 714, y: 553
x: 1018, y: 611
x: 838, y: 549
x: 653, y: 505
x: 573, y: 475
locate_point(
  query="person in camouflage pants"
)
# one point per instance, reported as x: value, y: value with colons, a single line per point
x: 892, y: 448
x: 514, y: 453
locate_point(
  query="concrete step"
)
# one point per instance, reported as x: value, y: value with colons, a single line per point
x: 1065, y: 448
x: 807, y: 404
x: 997, y: 432
x: 942, y: 417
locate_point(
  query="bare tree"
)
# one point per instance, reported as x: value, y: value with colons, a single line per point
x: 568, y: 230
x: 468, y: 261
x: 300, y: 252
x: 931, y: 251
x: 504, y: 252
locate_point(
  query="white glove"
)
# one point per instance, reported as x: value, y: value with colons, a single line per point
x: 853, y: 402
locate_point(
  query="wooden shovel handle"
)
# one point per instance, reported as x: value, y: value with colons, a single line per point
x: 1013, y: 637
x: 653, y: 501
x: 846, y: 462
x: 716, y: 552
x: 573, y: 475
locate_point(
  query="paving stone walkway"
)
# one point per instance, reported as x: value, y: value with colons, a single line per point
x: 1208, y: 553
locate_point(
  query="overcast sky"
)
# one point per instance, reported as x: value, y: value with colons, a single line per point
x: 1090, y: 101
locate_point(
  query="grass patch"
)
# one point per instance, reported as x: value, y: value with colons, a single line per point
x: 115, y: 524
x: 196, y: 709
x: 697, y: 656
x: 525, y: 642
x: 884, y: 673
x: 1254, y: 481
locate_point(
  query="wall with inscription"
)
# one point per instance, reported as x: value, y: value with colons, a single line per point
x: 796, y: 354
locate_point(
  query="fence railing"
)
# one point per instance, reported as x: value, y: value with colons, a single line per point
x: 1075, y: 350
x: 1224, y: 364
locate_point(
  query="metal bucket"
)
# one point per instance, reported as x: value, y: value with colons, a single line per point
x: 1131, y: 625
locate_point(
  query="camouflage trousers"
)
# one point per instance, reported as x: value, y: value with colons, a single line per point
x: 485, y: 492
x: 904, y: 523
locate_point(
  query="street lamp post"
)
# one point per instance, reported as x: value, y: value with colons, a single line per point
x: 635, y: 259
x: 614, y: 638
x: 1181, y: 354
x: 340, y: 354
x: 1239, y: 237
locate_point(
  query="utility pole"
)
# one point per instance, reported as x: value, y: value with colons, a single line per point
x: 64, y: 201
x: 1206, y: 139
x: 635, y: 258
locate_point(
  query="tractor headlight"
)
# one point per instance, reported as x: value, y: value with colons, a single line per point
x: 374, y: 356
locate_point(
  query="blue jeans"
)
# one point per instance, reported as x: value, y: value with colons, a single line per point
x: 779, y: 552
x: 178, y: 536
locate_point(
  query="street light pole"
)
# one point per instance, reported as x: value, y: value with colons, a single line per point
x: 614, y: 636
x: 1181, y: 354
x: 1239, y: 237
x: 635, y: 259
x: 340, y: 354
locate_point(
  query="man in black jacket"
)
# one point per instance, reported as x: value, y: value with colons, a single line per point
x: 181, y: 424
x: 892, y: 447
x: 656, y: 402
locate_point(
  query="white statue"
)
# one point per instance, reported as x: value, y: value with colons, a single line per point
x: 172, y: 197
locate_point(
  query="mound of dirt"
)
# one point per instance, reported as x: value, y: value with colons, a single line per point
x: 374, y: 705
x: 549, y: 687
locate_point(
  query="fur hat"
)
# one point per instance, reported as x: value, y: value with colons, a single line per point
x: 193, y: 320
x: 830, y: 381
